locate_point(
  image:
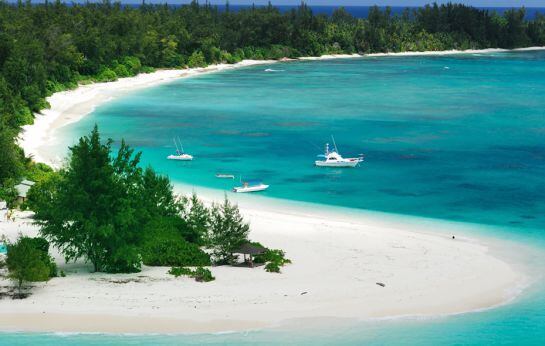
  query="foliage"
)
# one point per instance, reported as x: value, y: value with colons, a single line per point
x: 203, y: 275
x: 196, y: 60
x: 274, y: 259
x: 87, y: 210
x: 106, y: 209
x: 8, y: 192
x: 28, y: 260
x: 106, y: 75
x: 180, y: 271
x: 11, y: 163
x: 200, y: 274
x: 197, y: 218
x: 227, y: 231
x: 272, y: 255
x: 165, y: 246
x: 272, y: 267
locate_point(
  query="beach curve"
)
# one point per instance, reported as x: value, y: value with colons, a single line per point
x: 337, y: 263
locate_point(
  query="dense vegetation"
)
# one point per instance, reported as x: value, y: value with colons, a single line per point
x: 28, y: 260
x: 104, y: 208
x: 50, y: 47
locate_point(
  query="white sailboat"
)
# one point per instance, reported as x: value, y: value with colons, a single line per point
x: 332, y: 158
x: 180, y: 155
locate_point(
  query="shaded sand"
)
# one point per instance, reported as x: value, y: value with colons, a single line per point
x: 337, y: 263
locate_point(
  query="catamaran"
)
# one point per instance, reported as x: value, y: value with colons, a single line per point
x: 180, y: 155
x: 251, y: 186
x: 332, y: 158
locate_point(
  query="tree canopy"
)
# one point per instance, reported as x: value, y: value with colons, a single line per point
x: 104, y: 208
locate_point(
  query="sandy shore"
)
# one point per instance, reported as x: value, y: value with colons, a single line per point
x: 425, y: 53
x: 337, y: 262
x: 336, y: 265
x: 72, y: 105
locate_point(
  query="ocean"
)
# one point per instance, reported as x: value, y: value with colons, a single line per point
x: 356, y: 11
x: 457, y: 138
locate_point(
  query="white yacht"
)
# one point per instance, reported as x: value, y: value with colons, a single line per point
x: 180, y: 155
x: 332, y: 158
x: 251, y: 186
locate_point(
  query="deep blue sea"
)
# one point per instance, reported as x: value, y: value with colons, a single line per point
x: 356, y: 11
x: 459, y: 138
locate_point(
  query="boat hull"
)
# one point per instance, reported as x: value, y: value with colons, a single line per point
x: 180, y: 157
x: 337, y: 164
x: 242, y: 189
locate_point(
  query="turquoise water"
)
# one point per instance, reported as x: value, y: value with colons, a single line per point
x: 459, y: 138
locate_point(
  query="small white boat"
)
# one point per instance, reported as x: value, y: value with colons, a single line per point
x: 251, y: 186
x: 332, y: 158
x: 225, y: 176
x: 180, y: 155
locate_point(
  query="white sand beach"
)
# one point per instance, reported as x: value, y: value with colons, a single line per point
x: 71, y: 105
x: 424, y: 53
x: 337, y: 262
x: 336, y: 266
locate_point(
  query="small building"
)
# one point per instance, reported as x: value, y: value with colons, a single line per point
x: 22, y: 190
x: 251, y: 250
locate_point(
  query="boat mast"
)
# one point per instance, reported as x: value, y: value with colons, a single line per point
x: 176, y: 144
x: 181, y: 146
x: 334, y: 144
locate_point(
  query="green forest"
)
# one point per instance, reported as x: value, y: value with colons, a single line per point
x: 45, y: 48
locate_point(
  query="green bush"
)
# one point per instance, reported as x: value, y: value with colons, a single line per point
x: 200, y: 274
x: 106, y: 75
x: 28, y: 260
x: 133, y: 64
x: 274, y: 258
x: 203, y: 275
x: 121, y: 71
x: 196, y: 60
x: 147, y: 69
x: 272, y: 255
x: 179, y: 271
x: 272, y: 267
x: 173, y: 252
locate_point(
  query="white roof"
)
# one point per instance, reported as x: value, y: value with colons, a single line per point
x: 22, y: 190
x: 3, y: 205
x: 23, y: 187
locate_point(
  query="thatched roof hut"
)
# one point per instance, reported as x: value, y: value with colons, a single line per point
x: 251, y: 250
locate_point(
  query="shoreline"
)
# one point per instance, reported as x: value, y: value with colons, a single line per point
x: 423, y: 53
x: 72, y: 105
x: 337, y: 259
x: 427, y: 275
